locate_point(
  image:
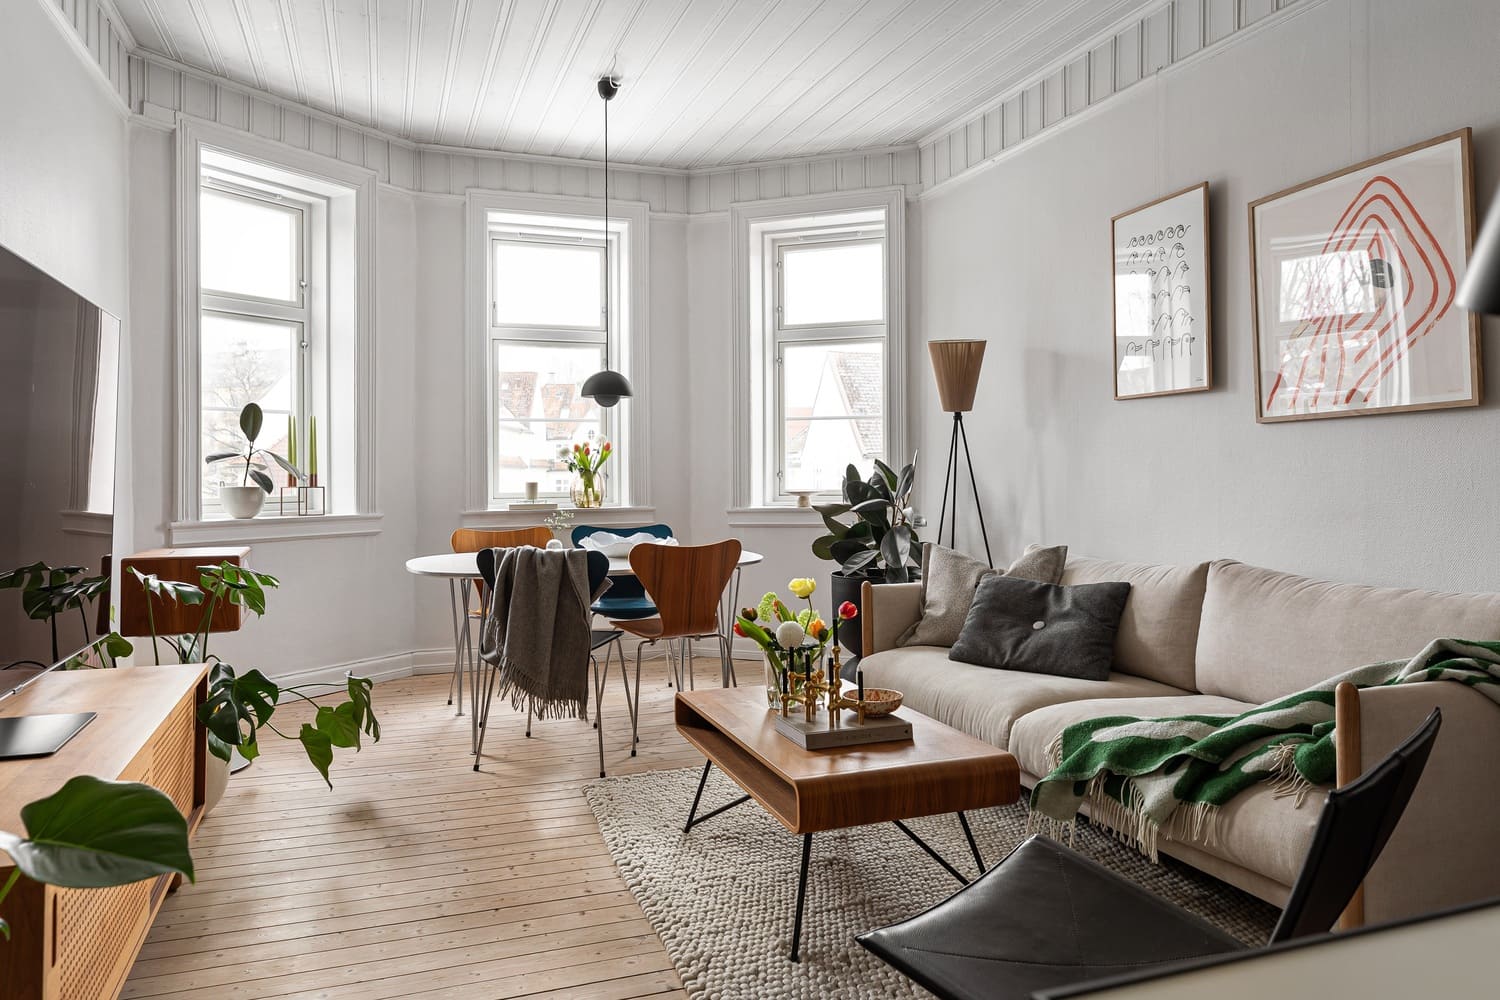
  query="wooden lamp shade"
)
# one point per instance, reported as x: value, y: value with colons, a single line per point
x: 956, y: 364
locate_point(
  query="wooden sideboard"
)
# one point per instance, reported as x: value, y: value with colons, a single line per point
x: 79, y: 944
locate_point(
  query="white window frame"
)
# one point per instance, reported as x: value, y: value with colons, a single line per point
x: 779, y: 335
x: 338, y: 304
x: 547, y: 218
x: 304, y: 311
x: 759, y: 231
x: 560, y: 231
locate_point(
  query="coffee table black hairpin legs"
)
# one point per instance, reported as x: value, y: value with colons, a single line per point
x: 963, y: 821
x: 801, y: 897
x: 693, y: 818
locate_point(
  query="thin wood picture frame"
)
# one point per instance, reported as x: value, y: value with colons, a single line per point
x: 1161, y: 333
x: 1362, y: 316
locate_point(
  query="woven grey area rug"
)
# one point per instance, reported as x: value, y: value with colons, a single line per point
x: 721, y: 897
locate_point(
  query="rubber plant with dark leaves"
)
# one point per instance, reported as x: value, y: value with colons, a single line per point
x: 92, y: 834
x: 251, y: 421
x: 240, y: 705
x: 879, y: 541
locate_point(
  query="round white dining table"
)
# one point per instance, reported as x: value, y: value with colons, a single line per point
x: 461, y: 569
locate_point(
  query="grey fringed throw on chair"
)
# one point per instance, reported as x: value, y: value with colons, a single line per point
x: 537, y: 630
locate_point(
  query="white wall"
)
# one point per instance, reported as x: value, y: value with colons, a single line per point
x: 62, y: 160
x: 1017, y: 254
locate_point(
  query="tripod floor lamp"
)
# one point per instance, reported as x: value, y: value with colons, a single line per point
x: 956, y: 365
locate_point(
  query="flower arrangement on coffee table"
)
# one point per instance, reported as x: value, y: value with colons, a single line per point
x: 793, y: 643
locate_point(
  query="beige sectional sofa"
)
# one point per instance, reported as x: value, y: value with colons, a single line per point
x: 1218, y: 638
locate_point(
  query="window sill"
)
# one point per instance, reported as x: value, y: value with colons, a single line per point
x: 87, y: 522
x: 782, y: 516
x: 273, y: 529
x: 606, y: 516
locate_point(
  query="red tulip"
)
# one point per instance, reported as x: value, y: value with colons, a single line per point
x: 740, y: 631
x: 847, y: 611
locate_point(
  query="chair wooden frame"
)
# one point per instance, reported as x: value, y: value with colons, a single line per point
x: 686, y: 583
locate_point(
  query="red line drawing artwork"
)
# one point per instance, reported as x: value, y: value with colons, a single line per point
x: 1380, y: 283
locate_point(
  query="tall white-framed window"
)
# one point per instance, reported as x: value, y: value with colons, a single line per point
x: 275, y: 260
x: 539, y: 268
x: 547, y: 335
x: 262, y: 325
x: 819, y: 330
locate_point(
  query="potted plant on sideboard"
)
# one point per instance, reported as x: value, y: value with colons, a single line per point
x: 877, y: 545
x: 245, y: 500
x: 239, y: 705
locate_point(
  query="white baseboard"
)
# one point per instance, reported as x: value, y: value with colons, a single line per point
x: 378, y: 668
x: 440, y: 661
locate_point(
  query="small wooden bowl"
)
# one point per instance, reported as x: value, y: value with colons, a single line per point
x: 881, y: 701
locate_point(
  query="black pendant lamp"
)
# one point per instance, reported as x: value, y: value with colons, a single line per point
x: 607, y: 387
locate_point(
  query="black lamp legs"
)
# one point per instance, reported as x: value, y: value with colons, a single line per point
x: 950, y: 478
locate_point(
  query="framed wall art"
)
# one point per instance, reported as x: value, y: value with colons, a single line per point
x: 1162, y: 337
x: 1354, y: 278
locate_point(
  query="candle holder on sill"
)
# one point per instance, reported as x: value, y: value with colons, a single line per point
x: 303, y: 501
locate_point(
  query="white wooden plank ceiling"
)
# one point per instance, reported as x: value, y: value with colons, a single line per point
x: 705, y: 82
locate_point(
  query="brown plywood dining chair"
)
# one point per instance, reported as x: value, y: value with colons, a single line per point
x: 477, y: 540
x: 685, y: 582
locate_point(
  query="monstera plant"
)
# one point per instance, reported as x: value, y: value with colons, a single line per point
x: 92, y: 834
x: 48, y: 592
x: 239, y: 705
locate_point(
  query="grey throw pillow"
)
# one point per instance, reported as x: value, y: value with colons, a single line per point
x: 1043, y: 628
x: 949, y: 579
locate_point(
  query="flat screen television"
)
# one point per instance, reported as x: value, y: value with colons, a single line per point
x: 59, y: 385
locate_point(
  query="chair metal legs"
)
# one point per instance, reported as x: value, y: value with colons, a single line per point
x: 601, y: 674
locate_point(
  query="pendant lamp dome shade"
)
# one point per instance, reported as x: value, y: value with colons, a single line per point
x: 1480, y: 291
x: 607, y: 387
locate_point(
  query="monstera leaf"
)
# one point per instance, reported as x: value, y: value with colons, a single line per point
x: 92, y: 834
x: 235, y: 703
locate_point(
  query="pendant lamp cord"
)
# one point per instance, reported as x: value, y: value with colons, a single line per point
x: 608, y: 267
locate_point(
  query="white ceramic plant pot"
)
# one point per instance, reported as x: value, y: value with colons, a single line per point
x: 242, y: 501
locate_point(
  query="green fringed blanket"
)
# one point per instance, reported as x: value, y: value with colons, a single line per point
x: 1145, y: 776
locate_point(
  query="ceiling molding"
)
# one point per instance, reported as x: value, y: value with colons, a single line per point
x: 1159, y: 39
x: 166, y: 93
x: 707, y: 84
x: 101, y: 40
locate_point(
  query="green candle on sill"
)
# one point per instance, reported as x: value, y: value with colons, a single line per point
x: 291, y: 447
x: 312, y: 451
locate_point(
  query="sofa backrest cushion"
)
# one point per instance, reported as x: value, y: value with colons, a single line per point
x: 1267, y: 634
x: 1158, y: 633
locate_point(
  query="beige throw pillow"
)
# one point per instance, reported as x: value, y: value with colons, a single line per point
x: 949, y: 580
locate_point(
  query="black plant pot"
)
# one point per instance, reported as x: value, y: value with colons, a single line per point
x: 847, y: 587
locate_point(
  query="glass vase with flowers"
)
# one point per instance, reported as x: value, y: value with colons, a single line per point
x: 793, y: 644
x: 586, y: 463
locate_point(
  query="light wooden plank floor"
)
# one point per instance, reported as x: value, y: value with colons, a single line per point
x: 415, y: 876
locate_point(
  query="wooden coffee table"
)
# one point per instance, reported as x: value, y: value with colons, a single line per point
x: 939, y: 770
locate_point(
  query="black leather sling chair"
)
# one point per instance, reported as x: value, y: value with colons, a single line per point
x: 1047, y: 917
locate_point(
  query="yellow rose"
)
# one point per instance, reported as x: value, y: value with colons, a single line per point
x: 803, y: 586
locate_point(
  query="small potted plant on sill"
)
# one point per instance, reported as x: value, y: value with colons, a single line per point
x: 878, y: 545
x: 245, y: 500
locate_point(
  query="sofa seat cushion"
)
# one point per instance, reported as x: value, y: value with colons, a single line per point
x: 982, y: 701
x: 1257, y: 830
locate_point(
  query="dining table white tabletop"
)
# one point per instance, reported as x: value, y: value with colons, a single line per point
x: 465, y: 565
